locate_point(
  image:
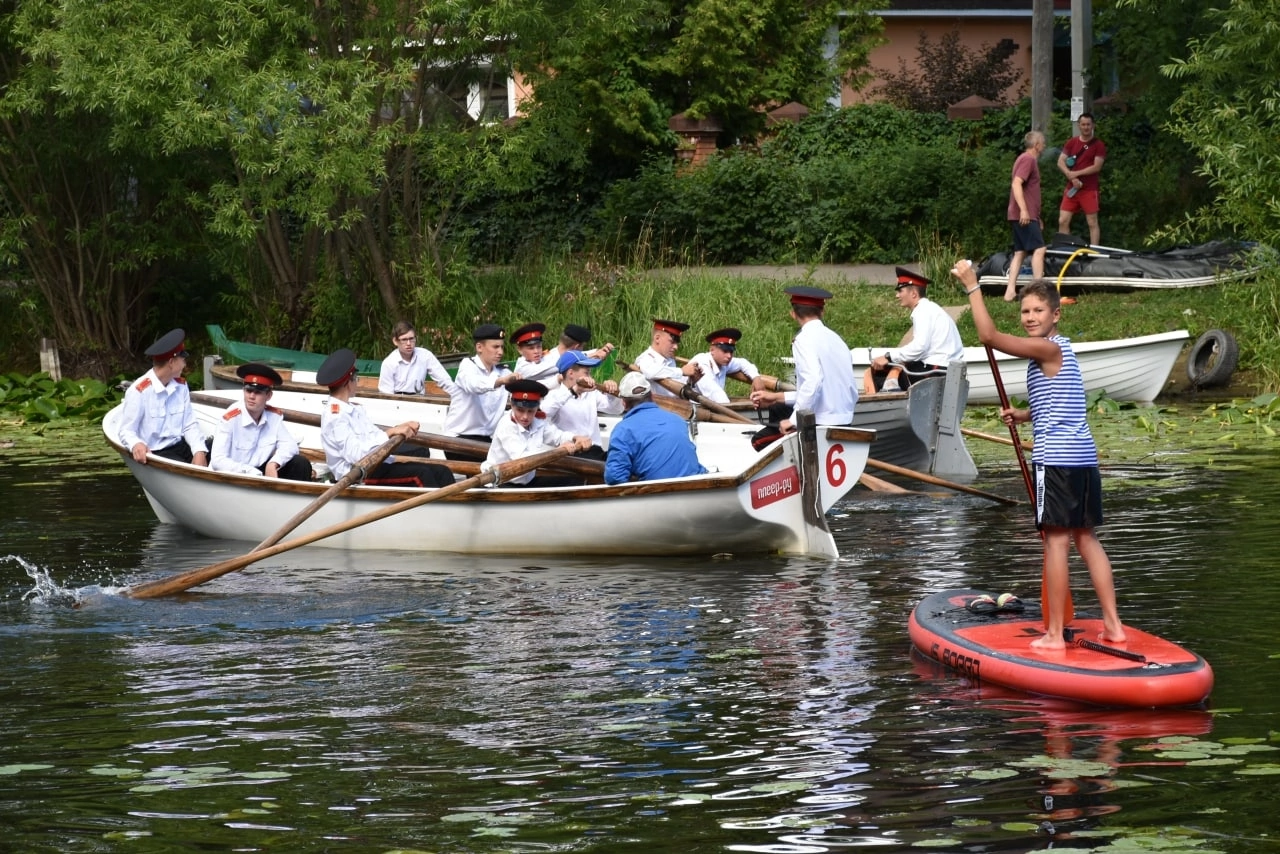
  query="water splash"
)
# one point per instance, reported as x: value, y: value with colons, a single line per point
x: 47, y: 591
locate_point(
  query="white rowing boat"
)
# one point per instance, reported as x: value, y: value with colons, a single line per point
x: 1134, y: 369
x: 772, y: 501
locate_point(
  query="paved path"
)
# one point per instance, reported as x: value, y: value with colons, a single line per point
x: 875, y: 274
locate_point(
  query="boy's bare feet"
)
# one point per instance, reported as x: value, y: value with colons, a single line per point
x: 1113, y: 635
x: 1048, y: 642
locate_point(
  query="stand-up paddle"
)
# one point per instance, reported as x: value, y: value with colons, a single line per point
x: 1069, y: 607
x: 186, y: 580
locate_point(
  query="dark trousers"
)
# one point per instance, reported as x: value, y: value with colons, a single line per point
x: 297, y: 468
x: 411, y: 473
x: 179, y: 452
x: 466, y: 456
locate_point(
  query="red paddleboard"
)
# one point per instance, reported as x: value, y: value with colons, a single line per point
x: 995, y: 647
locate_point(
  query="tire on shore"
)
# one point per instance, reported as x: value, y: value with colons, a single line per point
x: 1212, y: 359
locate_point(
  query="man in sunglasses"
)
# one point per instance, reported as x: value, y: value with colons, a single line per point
x: 659, y: 361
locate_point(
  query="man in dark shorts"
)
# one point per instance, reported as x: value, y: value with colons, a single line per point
x: 1024, y: 212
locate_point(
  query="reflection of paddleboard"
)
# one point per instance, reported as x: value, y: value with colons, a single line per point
x: 995, y: 647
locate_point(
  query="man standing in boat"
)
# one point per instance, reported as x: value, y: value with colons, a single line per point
x: 577, y: 403
x: 158, y: 417
x: 659, y: 361
x: 935, y: 340
x: 1081, y: 160
x: 406, y: 369
x: 825, y: 384
x: 251, y: 438
x: 522, y: 434
x: 348, y: 435
x: 1024, y: 213
x: 479, y: 395
x: 648, y: 443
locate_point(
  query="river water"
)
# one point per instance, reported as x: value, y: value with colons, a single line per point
x: 377, y: 702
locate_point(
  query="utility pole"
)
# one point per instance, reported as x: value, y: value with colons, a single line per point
x: 1081, y: 53
x: 1042, y: 64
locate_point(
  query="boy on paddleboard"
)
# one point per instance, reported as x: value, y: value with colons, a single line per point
x: 1068, y: 485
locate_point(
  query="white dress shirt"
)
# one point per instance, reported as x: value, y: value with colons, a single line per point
x: 579, y: 414
x: 400, y: 377
x: 513, y: 442
x: 824, y: 375
x: 476, y: 404
x: 711, y: 386
x: 348, y: 435
x: 545, y: 370
x: 158, y: 415
x: 935, y: 340
x: 243, y: 446
x: 655, y: 366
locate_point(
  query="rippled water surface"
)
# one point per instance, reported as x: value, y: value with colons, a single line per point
x: 374, y: 702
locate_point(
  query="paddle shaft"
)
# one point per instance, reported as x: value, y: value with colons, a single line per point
x: 937, y: 481
x: 370, y: 462
x: 1000, y: 440
x: 187, y: 580
x: 427, y: 440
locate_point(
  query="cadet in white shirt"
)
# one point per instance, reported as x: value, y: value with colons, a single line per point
x: 524, y: 433
x: 479, y: 395
x: 406, y: 369
x: 935, y: 340
x: 158, y: 417
x: 251, y: 438
x: 659, y: 361
x: 719, y: 361
x: 534, y: 362
x: 348, y: 435
x: 577, y: 403
x: 825, y: 384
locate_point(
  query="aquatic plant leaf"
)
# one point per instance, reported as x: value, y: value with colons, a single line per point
x: 9, y: 770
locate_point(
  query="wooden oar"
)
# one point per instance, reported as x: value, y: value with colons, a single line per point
x: 688, y: 392
x: 370, y: 462
x: 876, y: 484
x: 187, y: 580
x: 937, y: 481
x: 1000, y: 440
x: 1070, y: 611
x: 586, y: 468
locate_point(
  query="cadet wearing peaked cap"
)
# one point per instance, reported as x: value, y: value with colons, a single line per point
x: 719, y: 361
x: 251, y: 437
x: 348, y: 434
x: 659, y: 362
x: 523, y: 433
x: 406, y: 368
x: 157, y: 417
x: 825, y: 383
x: 579, y: 335
x: 577, y: 403
x: 574, y: 338
x: 479, y: 395
x: 934, y: 341
x: 535, y: 363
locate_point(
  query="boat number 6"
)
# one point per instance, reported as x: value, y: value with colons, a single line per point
x: 836, y: 469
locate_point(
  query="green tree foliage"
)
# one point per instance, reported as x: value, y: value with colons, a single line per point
x: 946, y: 72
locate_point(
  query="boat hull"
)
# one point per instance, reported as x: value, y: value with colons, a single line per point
x: 1126, y: 369
x: 995, y: 648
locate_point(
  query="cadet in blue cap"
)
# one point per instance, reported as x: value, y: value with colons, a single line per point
x: 158, y: 417
x: 479, y: 395
x: 349, y: 435
x: 522, y: 434
x: 577, y: 403
x: 825, y: 384
x: 251, y: 438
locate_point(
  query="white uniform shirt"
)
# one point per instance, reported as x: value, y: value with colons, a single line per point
x: 935, y: 340
x: 513, y: 442
x: 400, y: 377
x: 158, y: 415
x: 711, y: 386
x: 655, y: 366
x: 544, y: 370
x: 242, y: 445
x: 824, y: 375
x: 579, y: 414
x: 347, y: 434
x: 476, y: 404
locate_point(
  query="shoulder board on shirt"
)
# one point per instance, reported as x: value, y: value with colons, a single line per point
x: 143, y: 384
x: 540, y: 414
x: 182, y: 380
x: 334, y: 409
x: 231, y: 413
x: 275, y: 409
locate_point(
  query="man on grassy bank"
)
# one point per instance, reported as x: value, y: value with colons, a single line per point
x: 1024, y: 213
